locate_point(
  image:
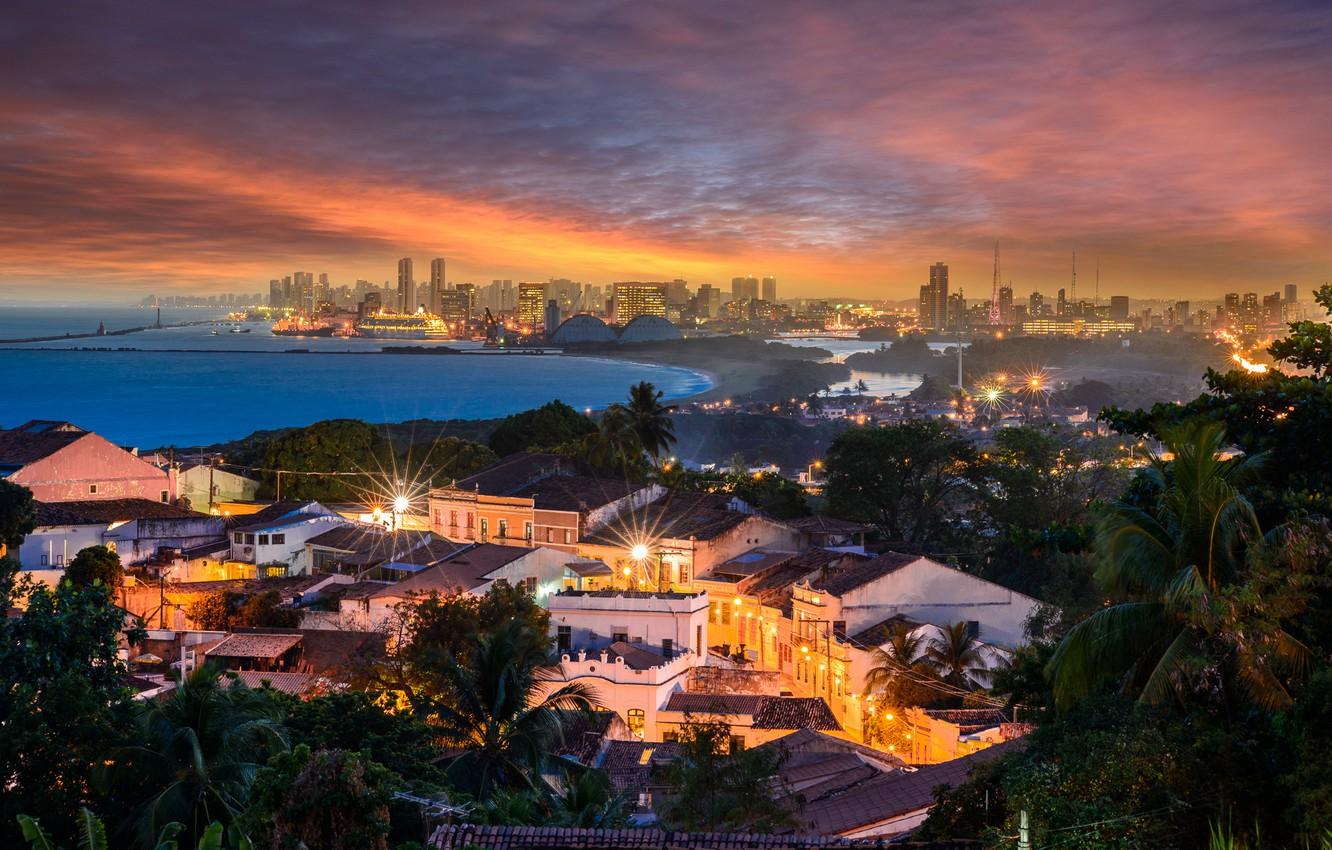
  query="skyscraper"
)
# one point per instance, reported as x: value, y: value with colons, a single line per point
x: 743, y: 288
x: 437, y: 285
x: 1006, y: 304
x: 1119, y: 308
x: 531, y: 304
x: 634, y: 298
x: 406, y: 286
x: 303, y: 292
x: 933, y: 305
x: 770, y: 289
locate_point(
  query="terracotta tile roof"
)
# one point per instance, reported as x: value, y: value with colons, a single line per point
x: 677, y: 516
x: 287, y: 682
x: 879, y: 633
x: 891, y: 795
x: 461, y: 570
x: 729, y: 704
x: 849, y: 578
x: 517, y: 470
x: 587, y: 567
x: 795, y: 713
x: 575, y: 492
x: 969, y: 720
x: 804, y: 744
x: 253, y: 646
x: 583, y: 735
x: 457, y: 836
x: 35, y: 440
x: 95, y: 511
x: 819, y: 524
x: 630, y: 765
x: 329, y: 652
x: 774, y: 588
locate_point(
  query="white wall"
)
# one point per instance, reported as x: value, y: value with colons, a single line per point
x: 593, y: 619
x: 292, y: 550
x: 933, y: 593
x: 58, y: 544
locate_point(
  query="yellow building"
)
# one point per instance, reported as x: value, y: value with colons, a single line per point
x: 633, y: 299
x: 531, y: 304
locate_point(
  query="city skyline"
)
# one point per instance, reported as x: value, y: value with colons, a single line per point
x: 842, y: 151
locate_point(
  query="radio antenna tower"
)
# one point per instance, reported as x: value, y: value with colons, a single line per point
x: 1075, y: 275
x: 996, y: 318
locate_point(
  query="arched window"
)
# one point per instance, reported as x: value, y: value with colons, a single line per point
x: 637, y: 721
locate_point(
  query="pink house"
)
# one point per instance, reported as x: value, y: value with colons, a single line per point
x: 61, y: 462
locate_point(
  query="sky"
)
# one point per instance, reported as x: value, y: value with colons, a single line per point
x: 841, y: 147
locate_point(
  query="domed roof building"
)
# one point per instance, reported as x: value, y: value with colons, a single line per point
x: 582, y: 329
x: 649, y: 329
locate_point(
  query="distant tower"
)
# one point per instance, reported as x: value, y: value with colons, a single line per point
x: 996, y: 317
x: 1073, y: 292
x: 406, y: 286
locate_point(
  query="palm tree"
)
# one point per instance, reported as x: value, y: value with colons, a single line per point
x: 1189, y: 620
x: 651, y: 419
x: 900, y: 672
x: 198, y: 752
x: 958, y: 656
x: 498, y: 712
x: 616, y: 443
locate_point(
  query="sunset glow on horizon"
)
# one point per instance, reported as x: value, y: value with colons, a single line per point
x: 842, y: 148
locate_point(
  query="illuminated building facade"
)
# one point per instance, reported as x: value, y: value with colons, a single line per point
x: 633, y: 299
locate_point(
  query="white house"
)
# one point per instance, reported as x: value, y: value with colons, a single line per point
x: 913, y: 586
x: 274, y: 538
x: 634, y: 683
x: 665, y: 623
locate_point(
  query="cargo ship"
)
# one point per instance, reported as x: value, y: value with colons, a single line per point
x: 301, y: 327
x: 398, y: 326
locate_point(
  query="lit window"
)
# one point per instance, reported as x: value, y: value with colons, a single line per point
x: 637, y: 722
x: 279, y: 539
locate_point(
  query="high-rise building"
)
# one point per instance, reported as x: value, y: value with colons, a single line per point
x: 1250, y: 317
x: 1272, y: 310
x: 1182, y: 313
x: 569, y: 293
x: 303, y: 292
x: 744, y: 288
x: 1061, y: 303
x: 406, y: 286
x: 438, y: 284
x: 707, y: 301
x: 552, y: 318
x: 1292, y: 292
x: 1035, y: 305
x: 677, y: 293
x: 1006, y: 305
x: 770, y: 289
x: 632, y: 299
x: 1232, y: 310
x: 1119, y: 308
x: 933, y: 305
x: 275, y: 294
x: 531, y: 304
x: 957, y: 311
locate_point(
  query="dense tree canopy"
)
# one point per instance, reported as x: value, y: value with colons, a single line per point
x: 334, y: 445
x: 18, y: 513
x: 552, y: 424
x: 904, y: 479
x: 93, y: 564
x: 716, y: 788
x: 63, y: 700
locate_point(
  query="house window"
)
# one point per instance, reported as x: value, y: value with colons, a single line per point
x: 726, y: 614
x: 668, y: 648
x: 637, y: 720
x: 279, y: 539
x: 839, y: 628
x: 469, y: 519
x: 92, y: 489
x: 249, y: 539
x: 550, y: 535
x: 263, y: 540
x: 712, y: 611
x: 485, y: 527
x: 239, y: 538
x: 164, y: 496
x: 698, y: 639
x: 670, y: 736
x: 568, y: 537
x: 527, y: 531
x: 530, y: 585
x: 620, y: 633
x: 737, y: 744
x: 45, y: 562
x: 453, y: 519
x: 503, y: 528
x: 564, y: 638
x: 684, y: 574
